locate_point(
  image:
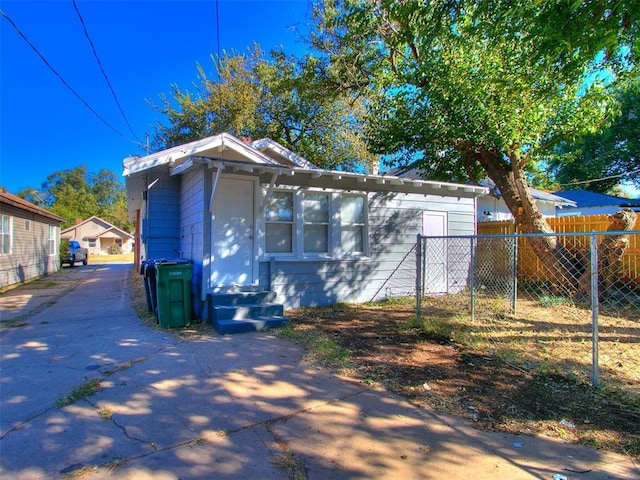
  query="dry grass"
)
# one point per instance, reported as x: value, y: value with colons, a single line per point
x: 527, y: 373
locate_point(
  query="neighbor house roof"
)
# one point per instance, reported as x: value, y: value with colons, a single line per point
x: 17, y: 202
x: 585, y: 198
x: 539, y: 195
x: 107, y: 228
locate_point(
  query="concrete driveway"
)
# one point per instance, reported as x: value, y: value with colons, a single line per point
x: 243, y: 406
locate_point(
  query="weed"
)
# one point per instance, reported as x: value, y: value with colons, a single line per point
x: 86, y: 389
x: 321, y: 347
x: 288, y: 462
x: 105, y: 413
x: 554, y: 301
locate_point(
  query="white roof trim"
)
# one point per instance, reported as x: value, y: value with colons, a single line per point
x: 296, y: 176
x: 176, y: 155
x: 267, y: 143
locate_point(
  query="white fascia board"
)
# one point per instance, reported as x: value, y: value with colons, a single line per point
x: 177, y: 154
x: 285, y: 152
x: 388, y: 183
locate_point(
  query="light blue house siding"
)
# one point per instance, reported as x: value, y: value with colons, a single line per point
x: 193, y: 225
x: 388, y: 270
x: 177, y: 192
x: 160, y: 222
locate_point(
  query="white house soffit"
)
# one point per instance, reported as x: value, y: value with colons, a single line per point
x: 348, y: 180
x: 296, y: 160
x: 175, y: 155
x: 171, y: 155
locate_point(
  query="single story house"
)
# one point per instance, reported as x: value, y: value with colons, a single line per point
x: 592, y: 203
x: 252, y: 215
x: 98, y: 236
x: 30, y: 239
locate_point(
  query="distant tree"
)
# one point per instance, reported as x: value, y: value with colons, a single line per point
x: 78, y: 194
x: 610, y: 156
x: 281, y: 98
x: 464, y: 89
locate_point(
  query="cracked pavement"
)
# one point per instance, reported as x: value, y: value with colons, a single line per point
x: 243, y: 406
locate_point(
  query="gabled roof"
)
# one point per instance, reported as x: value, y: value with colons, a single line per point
x: 585, y: 198
x: 107, y: 227
x: 17, y: 202
x: 221, y: 146
x: 274, y: 165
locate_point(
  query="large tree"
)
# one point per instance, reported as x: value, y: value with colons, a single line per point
x: 279, y: 97
x: 77, y: 193
x: 467, y: 88
x: 600, y: 161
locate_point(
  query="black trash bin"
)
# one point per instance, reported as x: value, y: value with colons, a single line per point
x: 148, y: 272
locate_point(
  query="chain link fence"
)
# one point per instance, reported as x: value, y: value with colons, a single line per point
x: 566, y: 303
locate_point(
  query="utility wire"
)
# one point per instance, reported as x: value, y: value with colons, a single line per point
x: 601, y: 179
x: 64, y: 82
x: 104, y: 74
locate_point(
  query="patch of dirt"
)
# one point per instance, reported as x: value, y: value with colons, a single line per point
x: 492, y: 392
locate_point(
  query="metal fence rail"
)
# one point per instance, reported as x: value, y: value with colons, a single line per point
x: 578, y: 315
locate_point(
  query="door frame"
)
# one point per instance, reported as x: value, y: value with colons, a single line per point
x: 253, y: 270
x: 444, y: 261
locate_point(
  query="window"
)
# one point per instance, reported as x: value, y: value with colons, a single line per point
x: 279, y: 222
x: 53, y: 237
x: 27, y: 225
x: 352, y: 217
x: 6, y: 233
x: 91, y: 242
x: 315, y: 211
x: 310, y: 224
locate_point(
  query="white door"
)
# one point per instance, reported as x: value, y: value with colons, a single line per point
x: 233, y: 232
x: 434, y: 255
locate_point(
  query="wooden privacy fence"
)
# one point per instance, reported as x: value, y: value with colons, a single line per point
x: 530, y: 266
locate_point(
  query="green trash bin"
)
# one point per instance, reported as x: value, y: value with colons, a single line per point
x: 173, y: 285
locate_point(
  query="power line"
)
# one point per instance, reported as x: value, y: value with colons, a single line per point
x: 601, y: 179
x: 64, y: 82
x: 104, y: 74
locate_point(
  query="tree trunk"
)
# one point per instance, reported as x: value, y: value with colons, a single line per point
x: 559, y: 265
x: 610, y: 252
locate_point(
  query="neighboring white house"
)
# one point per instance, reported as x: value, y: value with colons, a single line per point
x: 491, y: 207
x: 254, y: 215
x: 99, y: 236
x: 592, y: 203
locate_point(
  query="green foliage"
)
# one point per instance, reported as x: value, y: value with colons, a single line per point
x: 464, y: 89
x: 77, y: 193
x: 64, y: 248
x: 612, y: 154
x: 287, y: 100
x: 86, y: 389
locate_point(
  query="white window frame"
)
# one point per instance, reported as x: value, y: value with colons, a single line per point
x: 305, y: 222
x: 334, y: 227
x: 52, y: 241
x: 6, y: 222
x: 364, y: 225
x: 291, y: 222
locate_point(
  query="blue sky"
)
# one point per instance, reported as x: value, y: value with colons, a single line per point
x: 144, y: 46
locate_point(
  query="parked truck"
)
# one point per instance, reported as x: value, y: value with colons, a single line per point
x: 71, y: 252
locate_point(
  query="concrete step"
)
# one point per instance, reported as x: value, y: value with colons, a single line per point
x: 242, y: 298
x: 249, y: 324
x: 242, y: 312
